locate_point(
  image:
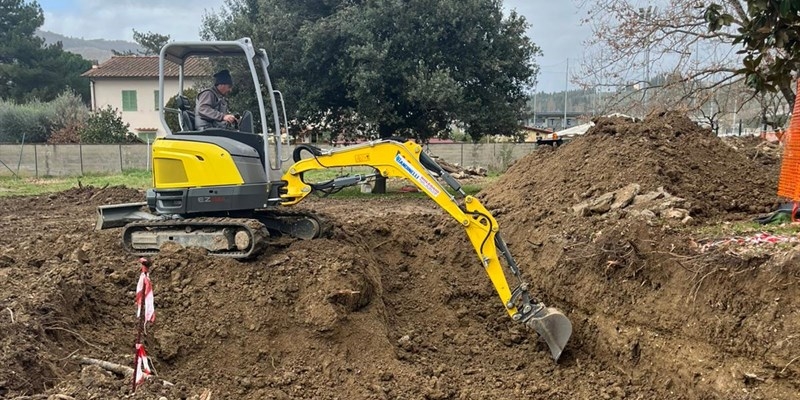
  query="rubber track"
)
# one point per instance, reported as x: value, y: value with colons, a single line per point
x: 254, y: 227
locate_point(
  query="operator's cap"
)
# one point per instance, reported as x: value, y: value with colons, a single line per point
x: 223, y: 78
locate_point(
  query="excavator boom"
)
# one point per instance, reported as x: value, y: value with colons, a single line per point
x: 407, y: 160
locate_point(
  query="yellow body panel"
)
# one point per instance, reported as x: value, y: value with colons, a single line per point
x: 181, y: 164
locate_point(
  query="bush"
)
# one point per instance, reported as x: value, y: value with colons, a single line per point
x: 30, y: 122
x: 69, y: 119
x: 106, y: 126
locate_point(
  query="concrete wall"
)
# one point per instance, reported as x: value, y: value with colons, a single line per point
x: 41, y: 160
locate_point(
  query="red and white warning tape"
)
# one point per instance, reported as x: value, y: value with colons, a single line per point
x: 145, y: 312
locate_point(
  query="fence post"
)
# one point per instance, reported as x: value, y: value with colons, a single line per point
x: 36, y: 161
x: 80, y: 154
x: 462, y: 155
x: 120, y: 157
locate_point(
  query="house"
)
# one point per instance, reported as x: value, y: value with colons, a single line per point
x: 130, y: 84
x: 533, y: 133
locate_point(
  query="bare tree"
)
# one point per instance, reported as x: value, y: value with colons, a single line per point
x: 632, y: 44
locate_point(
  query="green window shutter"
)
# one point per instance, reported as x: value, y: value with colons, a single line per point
x: 155, y: 100
x: 129, y: 100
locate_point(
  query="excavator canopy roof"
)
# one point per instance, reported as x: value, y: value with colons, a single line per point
x: 178, y: 52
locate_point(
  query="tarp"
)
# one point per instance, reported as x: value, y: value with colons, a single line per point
x: 575, y: 130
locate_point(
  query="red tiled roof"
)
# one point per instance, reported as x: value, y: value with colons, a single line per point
x: 147, y: 67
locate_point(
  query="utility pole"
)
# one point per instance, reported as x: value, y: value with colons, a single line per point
x: 534, y: 107
x: 735, y: 109
x: 566, y: 86
x: 647, y: 15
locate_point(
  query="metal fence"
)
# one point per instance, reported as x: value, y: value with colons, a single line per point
x: 44, y: 160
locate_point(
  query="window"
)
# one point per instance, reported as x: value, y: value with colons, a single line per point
x: 155, y: 100
x: 129, y: 100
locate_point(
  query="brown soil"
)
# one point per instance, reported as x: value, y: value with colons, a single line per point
x: 394, y: 304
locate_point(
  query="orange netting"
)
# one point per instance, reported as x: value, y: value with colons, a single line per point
x: 789, y: 181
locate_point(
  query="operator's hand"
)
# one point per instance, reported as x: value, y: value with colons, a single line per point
x: 229, y: 118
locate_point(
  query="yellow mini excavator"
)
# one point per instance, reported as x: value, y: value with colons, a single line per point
x: 226, y: 190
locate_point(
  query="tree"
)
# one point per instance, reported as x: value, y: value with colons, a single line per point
x: 151, y: 42
x: 29, y: 69
x: 769, y: 33
x: 390, y: 67
x: 631, y: 44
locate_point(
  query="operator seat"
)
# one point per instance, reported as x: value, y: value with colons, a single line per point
x: 186, y: 116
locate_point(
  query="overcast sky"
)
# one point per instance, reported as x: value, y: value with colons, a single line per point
x: 554, y: 25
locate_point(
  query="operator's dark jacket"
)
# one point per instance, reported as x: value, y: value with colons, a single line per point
x: 210, y: 109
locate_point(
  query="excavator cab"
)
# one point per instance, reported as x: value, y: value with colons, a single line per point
x: 217, y: 169
x: 215, y: 188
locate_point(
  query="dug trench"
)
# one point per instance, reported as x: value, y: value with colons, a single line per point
x: 395, y: 305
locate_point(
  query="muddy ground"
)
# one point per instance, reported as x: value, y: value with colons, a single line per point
x: 610, y: 228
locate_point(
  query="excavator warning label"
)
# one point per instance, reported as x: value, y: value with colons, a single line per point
x: 423, y: 182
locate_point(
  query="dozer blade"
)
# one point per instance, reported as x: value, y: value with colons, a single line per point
x: 118, y: 215
x: 554, y: 327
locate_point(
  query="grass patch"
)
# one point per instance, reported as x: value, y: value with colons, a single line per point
x: 11, y: 186
x: 142, y: 179
x: 744, y: 228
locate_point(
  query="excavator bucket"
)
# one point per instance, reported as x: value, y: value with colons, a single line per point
x: 554, y: 327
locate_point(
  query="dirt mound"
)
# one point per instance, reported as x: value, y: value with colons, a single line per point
x: 669, y: 152
x: 395, y: 305
x: 645, y: 301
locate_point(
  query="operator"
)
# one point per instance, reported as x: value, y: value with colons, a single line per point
x: 212, y: 106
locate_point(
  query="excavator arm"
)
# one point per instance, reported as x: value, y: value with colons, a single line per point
x: 407, y: 160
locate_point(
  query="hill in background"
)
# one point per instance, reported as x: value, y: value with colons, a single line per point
x: 98, y: 50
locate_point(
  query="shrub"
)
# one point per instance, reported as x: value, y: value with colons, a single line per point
x: 69, y: 118
x: 106, y: 126
x: 28, y: 122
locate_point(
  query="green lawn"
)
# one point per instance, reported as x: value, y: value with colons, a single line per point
x: 11, y: 186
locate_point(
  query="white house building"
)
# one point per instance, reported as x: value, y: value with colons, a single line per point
x: 130, y: 84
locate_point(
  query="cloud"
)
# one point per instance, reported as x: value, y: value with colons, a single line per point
x: 555, y: 27
x: 102, y: 19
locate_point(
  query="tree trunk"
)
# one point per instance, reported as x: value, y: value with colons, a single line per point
x: 789, y: 95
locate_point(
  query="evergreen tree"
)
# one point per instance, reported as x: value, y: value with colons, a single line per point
x: 29, y: 69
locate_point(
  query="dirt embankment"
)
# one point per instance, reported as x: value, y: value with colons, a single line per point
x: 394, y: 305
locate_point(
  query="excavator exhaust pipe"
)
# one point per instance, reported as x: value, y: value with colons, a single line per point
x: 554, y: 327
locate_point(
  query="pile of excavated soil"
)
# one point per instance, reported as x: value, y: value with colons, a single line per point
x: 718, y: 180
x: 644, y: 300
x: 395, y: 305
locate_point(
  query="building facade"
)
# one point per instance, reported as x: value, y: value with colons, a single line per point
x: 130, y: 85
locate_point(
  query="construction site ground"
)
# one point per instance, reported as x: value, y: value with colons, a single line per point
x: 639, y: 232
